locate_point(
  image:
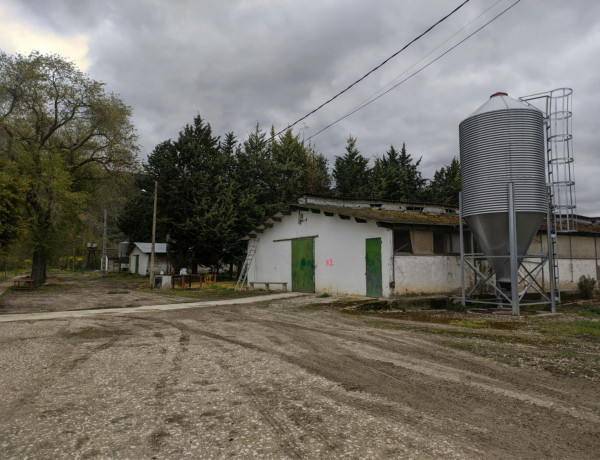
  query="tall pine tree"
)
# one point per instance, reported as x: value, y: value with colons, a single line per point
x: 351, y: 172
x: 396, y: 177
x: 445, y: 185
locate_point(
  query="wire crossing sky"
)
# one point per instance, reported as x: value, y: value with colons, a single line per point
x: 375, y: 68
x: 370, y: 101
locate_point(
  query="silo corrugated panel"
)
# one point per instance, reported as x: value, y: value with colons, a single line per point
x: 500, y: 143
x: 498, y: 147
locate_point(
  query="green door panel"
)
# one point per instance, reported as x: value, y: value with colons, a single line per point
x: 373, y: 267
x: 303, y: 265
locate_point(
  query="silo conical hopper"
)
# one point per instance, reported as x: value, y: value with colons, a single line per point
x: 500, y: 143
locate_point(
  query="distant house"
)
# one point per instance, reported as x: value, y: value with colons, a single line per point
x: 139, y: 258
x: 118, y: 260
x: 382, y: 249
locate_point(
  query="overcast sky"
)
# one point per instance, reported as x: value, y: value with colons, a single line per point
x: 242, y: 62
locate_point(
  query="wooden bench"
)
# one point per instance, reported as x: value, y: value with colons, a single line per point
x: 267, y: 283
x: 24, y: 284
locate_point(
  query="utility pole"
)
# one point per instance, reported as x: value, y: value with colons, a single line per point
x: 104, y: 263
x: 153, y: 249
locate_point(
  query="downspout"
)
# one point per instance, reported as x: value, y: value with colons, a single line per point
x: 541, y: 252
x: 571, y: 259
x: 393, y: 283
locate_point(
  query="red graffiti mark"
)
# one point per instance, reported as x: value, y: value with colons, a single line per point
x: 329, y: 262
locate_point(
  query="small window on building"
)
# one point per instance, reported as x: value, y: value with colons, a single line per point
x: 448, y: 243
x: 439, y: 244
x: 402, y: 242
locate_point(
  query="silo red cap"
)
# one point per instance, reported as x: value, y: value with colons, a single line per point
x: 498, y: 94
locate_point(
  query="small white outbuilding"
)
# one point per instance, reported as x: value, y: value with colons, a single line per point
x: 139, y: 258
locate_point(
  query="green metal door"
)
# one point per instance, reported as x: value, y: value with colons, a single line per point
x: 303, y: 266
x: 373, y: 265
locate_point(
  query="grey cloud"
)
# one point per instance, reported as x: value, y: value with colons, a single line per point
x: 242, y: 62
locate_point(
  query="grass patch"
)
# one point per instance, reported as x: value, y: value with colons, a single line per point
x: 587, y: 329
x: 593, y: 312
x: 476, y: 323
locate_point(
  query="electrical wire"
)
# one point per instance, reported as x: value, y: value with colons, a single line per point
x: 428, y: 54
x: 372, y: 70
x: 414, y: 73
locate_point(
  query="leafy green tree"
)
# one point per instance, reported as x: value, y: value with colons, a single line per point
x: 446, y: 185
x: 299, y: 168
x: 351, y: 172
x: 291, y: 160
x: 12, y: 202
x: 134, y: 218
x: 317, y: 180
x: 62, y: 130
x: 196, y: 201
x: 255, y: 172
x: 213, y: 191
x: 396, y: 177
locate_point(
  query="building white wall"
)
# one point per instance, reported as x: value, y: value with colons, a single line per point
x: 339, y: 250
x: 426, y: 274
x: 441, y: 274
x: 569, y: 271
x: 339, y: 247
x: 143, y: 262
x: 160, y: 262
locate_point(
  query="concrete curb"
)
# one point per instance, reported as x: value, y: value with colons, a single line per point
x: 141, y: 309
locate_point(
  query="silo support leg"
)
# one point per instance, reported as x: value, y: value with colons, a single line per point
x: 462, y: 250
x: 514, y: 261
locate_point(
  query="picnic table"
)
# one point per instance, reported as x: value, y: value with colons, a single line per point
x: 24, y: 284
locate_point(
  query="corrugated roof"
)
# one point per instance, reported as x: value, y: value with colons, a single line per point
x: 398, y: 218
x: 582, y: 229
x: 146, y: 248
x: 385, y: 216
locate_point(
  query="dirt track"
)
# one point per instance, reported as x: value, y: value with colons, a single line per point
x: 274, y: 381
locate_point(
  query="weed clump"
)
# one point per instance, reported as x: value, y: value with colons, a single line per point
x: 447, y: 303
x: 586, y: 286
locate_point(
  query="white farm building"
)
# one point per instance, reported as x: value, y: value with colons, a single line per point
x: 382, y: 249
x: 139, y: 258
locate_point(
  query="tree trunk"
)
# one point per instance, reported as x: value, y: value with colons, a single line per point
x: 38, y: 267
x: 230, y: 270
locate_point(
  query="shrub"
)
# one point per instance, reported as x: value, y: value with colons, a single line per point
x: 586, y: 286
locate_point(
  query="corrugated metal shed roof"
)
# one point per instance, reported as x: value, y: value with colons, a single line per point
x: 146, y: 248
x: 398, y: 218
x: 385, y: 216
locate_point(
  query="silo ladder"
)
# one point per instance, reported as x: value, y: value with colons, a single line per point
x: 249, y: 257
x: 554, y: 267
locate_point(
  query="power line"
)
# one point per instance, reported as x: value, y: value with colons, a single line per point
x: 413, y: 74
x: 373, y: 69
x: 429, y: 54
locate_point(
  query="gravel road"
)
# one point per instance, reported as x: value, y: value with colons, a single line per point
x: 274, y: 380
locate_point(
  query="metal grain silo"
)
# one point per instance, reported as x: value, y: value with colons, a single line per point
x: 502, y: 142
